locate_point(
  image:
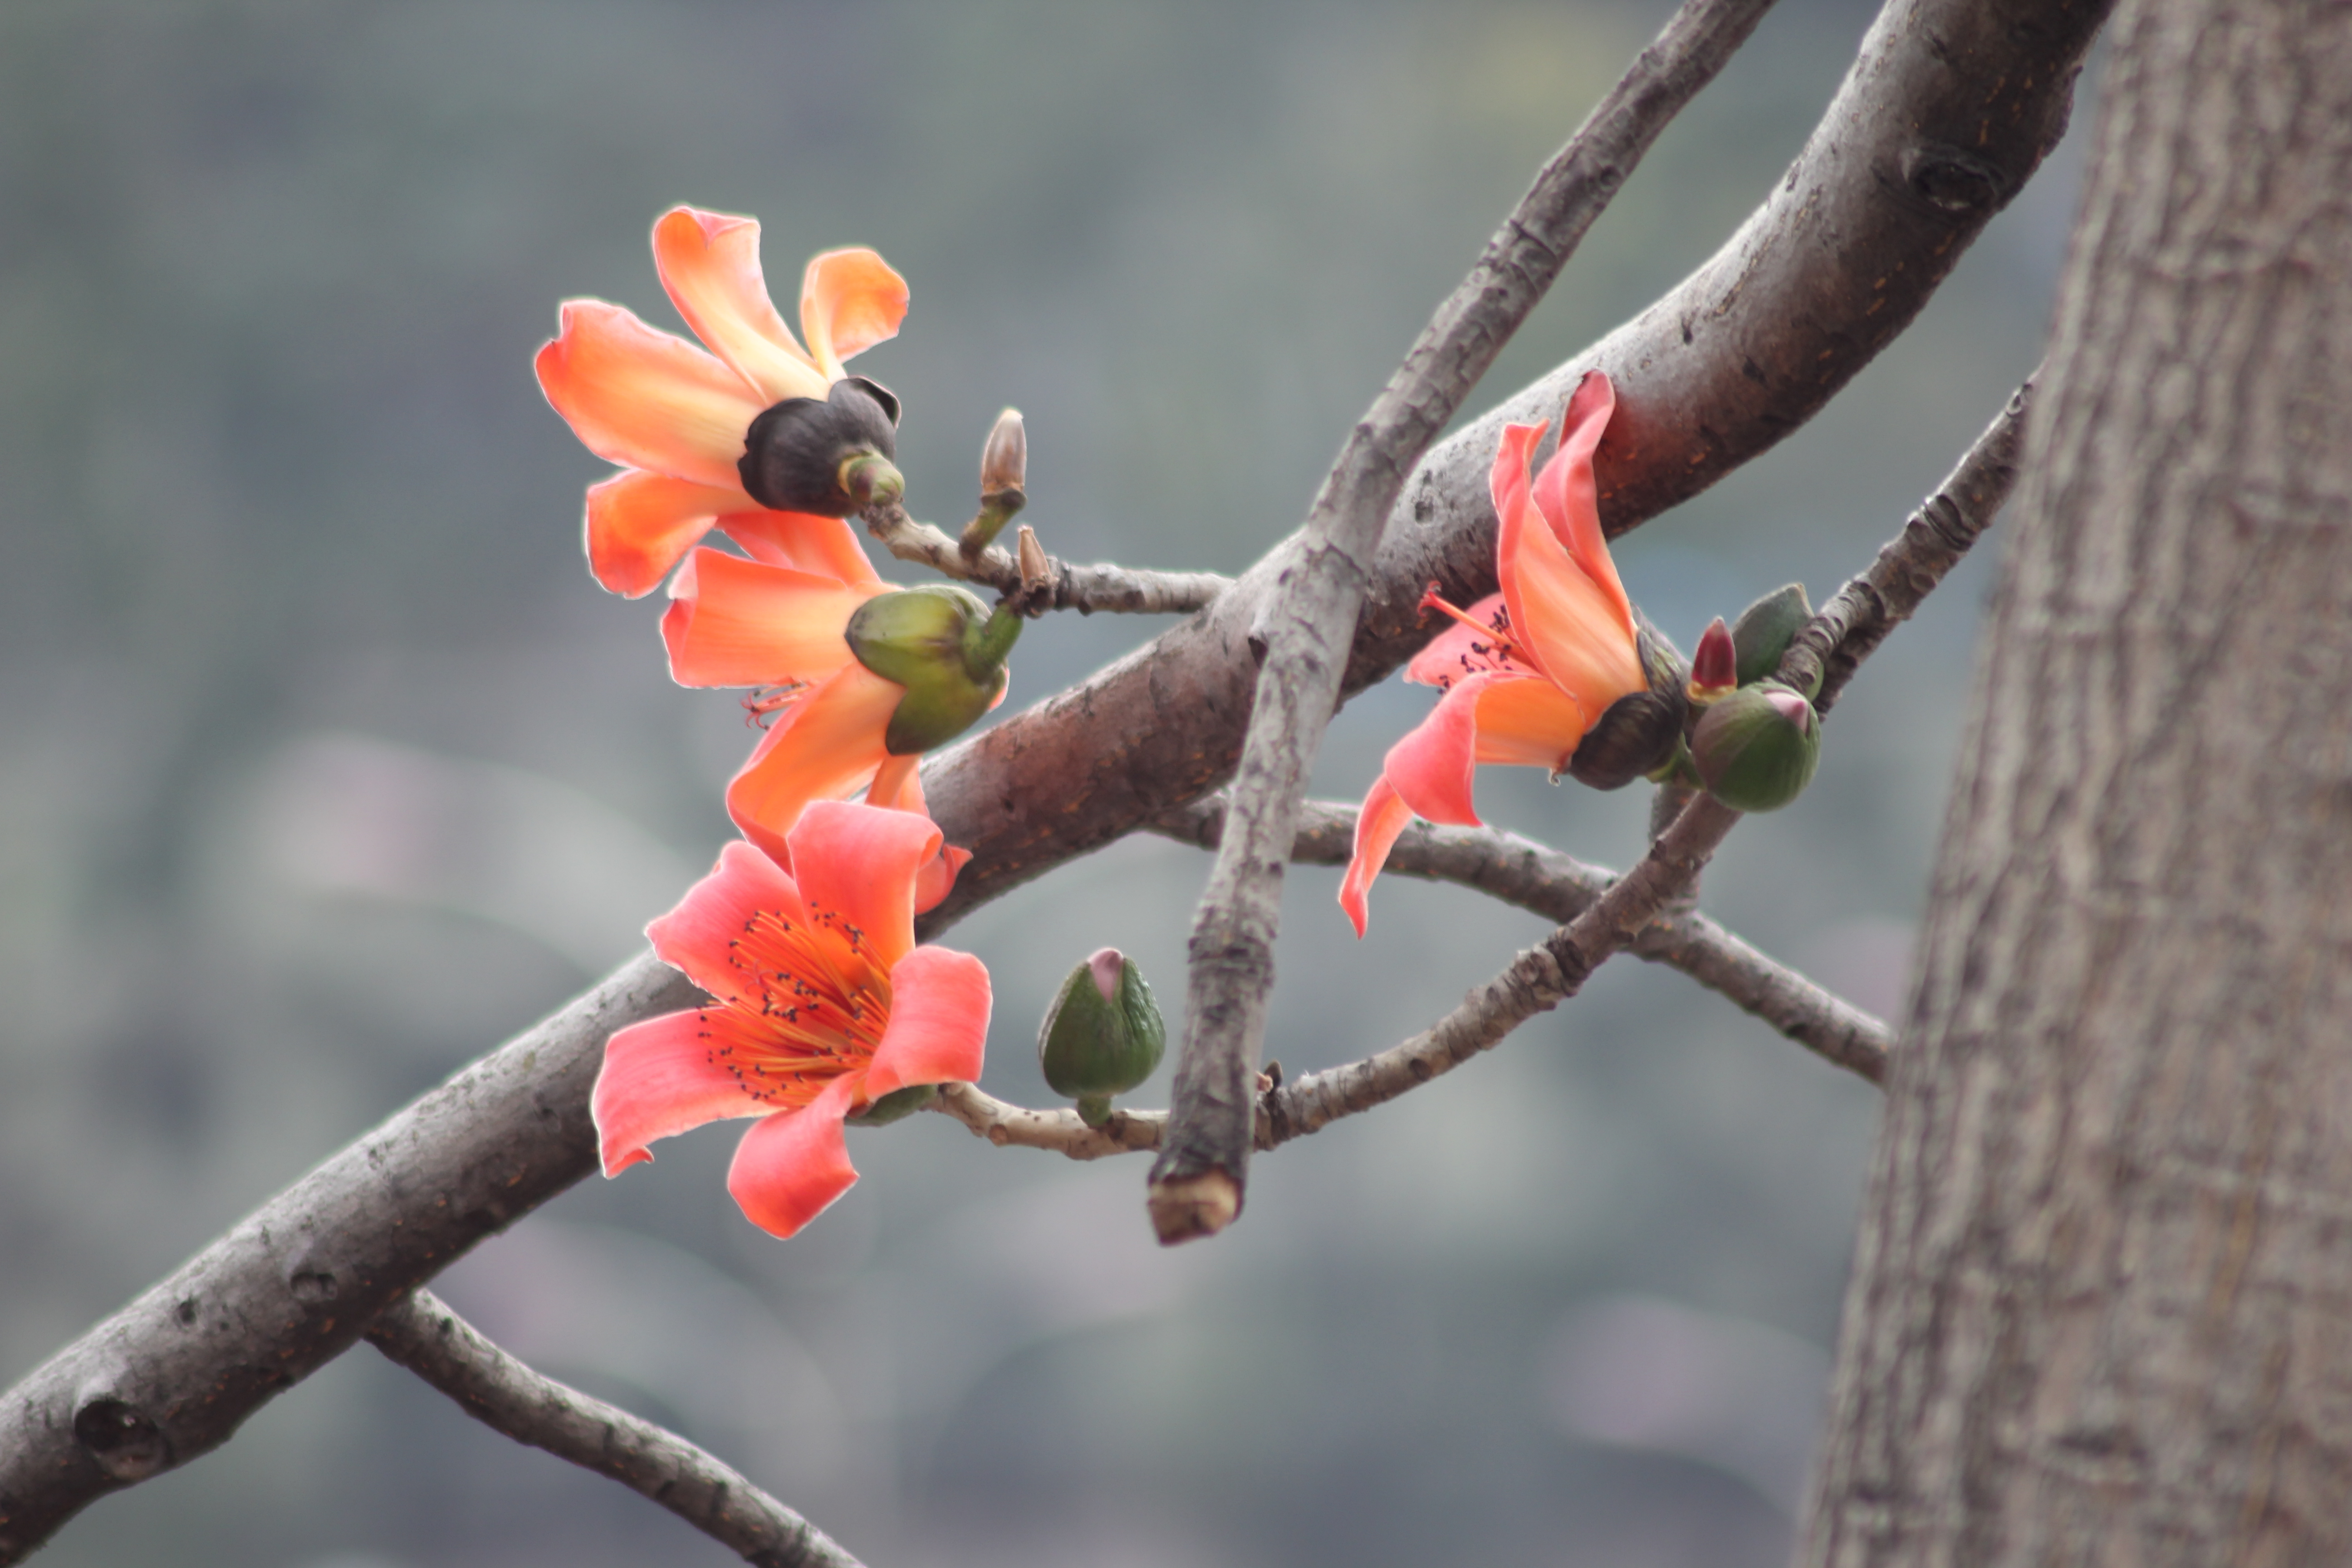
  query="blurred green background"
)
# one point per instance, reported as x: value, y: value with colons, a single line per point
x: 325, y: 767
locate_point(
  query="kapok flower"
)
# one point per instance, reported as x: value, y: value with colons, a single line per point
x: 821, y: 1006
x: 841, y: 728
x: 677, y: 419
x: 1529, y: 671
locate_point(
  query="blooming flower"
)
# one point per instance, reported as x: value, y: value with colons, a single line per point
x: 676, y: 417
x: 1528, y: 670
x: 822, y: 1005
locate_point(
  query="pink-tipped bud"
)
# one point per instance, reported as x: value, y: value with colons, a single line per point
x: 1106, y: 967
x: 1791, y: 707
x: 1715, y: 668
x: 1004, y: 459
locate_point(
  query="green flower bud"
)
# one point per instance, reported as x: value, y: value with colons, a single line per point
x: 1766, y: 629
x: 1637, y: 733
x: 946, y: 647
x: 831, y: 457
x: 1756, y: 750
x: 1103, y: 1034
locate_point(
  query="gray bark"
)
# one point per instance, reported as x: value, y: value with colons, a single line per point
x: 2101, y: 1304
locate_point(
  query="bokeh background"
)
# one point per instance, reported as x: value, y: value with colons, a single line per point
x: 325, y: 767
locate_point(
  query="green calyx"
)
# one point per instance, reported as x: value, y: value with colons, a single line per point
x: 1757, y: 749
x: 946, y: 647
x: 1103, y: 1036
x: 1766, y: 629
x: 894, y: 1106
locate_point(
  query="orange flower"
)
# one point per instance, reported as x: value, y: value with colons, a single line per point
x: 822, y: 1005
x: 676, y: 417
x: 1528, y: 670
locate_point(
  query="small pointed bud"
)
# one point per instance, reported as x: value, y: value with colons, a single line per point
x: 1003, y: 473
x: 1638, y: 733
x: 804, y: 455
x: 1766, y: 629
x: 1103, y: 1034
x: 1036, y: 570
x: 1756, y: 750
x: 1004, y: 459
x: 946, y: 647
x: 894, y: 1106
x: 1715, y: 667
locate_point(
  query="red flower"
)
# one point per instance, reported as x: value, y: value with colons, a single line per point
x: 674, y: 417
x: 1528, y: 670
x: 822, y: 1005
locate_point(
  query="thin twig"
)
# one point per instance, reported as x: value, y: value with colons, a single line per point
x: 1309, y: 620
x: 1126, y: 590
x: 420, y: 1332
x: 1559, y: 886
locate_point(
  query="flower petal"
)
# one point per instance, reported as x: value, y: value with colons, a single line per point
x: 936, y: 880
x: 938, y: 1022
x: 860, y: 862
x: 1383, y: 816
x: 1431, y: 768
x: 1459, y: 650
x: 826, y: 745
x: 790, y: 1168
x: 698, y: 936
x: 850, y: 301
x: 1568, y: 495
x: 641, y: 524
x: 1526, y: 721
x: 805, y: 541
x: 1568, y: 626
x: 733, y: 622
x: 645, y: 399
x: 709, y: 263
x: 661, y: 1078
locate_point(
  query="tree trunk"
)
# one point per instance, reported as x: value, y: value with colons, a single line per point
x: 2102, y: 1303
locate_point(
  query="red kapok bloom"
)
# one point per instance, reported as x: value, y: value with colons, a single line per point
x: 674, y: 417
x: 1528, y: 670
x: 822, y: 1005
x: 780, y: 628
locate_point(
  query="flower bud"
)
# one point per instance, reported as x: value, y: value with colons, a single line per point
x: 1756, y: 750
x: 1637, y: 735
x: 1103, y: 1034
x: 946, y: 647
x: 1003, y: 470
x: 1715, y: 667
x: 830, y: 458
x: 1766, y: 629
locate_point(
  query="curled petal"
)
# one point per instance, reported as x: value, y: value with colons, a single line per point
x: 938, y: 1022
x: 1459, y: 650
x: 645, y: 399
x: 805, y: 541
x: 1571, y: 627
x: 698, y: 936
x: 936, y: 880
x: 827, y: 745
x: 859, y: 863
x: 709, y: 263
x: 661, y: 1078
x: 733, y: 622
x: 640, y: 525
x: 1382, y: 818
x: 1431, y: 769
x: 790, y: 1168
x: 850, y: 301
x: 1568, y: 495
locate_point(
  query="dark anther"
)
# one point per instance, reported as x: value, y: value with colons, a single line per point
x: 1954, y: 180
x: 792, y: 455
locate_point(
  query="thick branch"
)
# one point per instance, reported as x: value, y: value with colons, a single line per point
x: 1128, y: 590
x: 421, y: 1334
x: 1559, y: 886
x: 1309, y: 617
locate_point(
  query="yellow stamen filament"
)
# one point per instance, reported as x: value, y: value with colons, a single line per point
x: 814, y: 1006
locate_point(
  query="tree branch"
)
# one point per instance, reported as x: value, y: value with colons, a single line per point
x: 1950, y: 106
x: 1559, y: 886
x: 420, y: 1332
x: 1309, y: 619
x: 1127, y: 590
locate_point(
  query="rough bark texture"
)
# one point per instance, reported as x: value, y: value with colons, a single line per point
x: 173, y: 1374
x: 1949, y: 106
x: 2102, y: 1307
